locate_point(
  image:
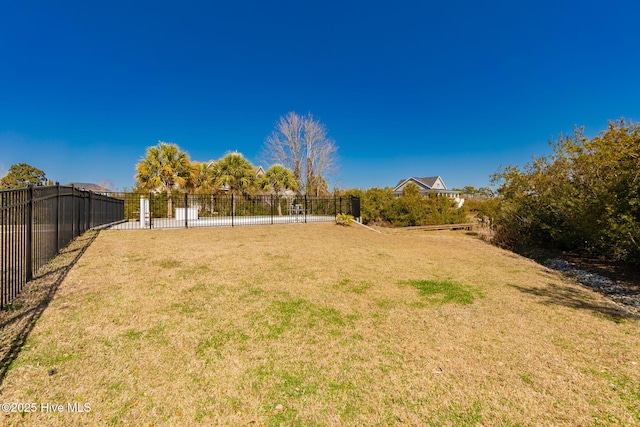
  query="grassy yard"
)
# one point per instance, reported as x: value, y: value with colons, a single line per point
x: 305, y: 325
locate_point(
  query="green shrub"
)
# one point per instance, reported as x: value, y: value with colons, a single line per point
x: 344, y: 219
x: 584, y: 196
x: 412, y: 208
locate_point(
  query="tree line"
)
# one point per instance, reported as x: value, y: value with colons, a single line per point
x: 167, y: 168
x: 299, y: 145
x: 584, y: 196
x: 302, y: 154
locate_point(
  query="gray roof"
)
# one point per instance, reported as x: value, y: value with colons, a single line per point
x: 426, y: 185
x: 428, y: 181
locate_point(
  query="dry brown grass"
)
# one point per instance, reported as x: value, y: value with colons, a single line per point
x: 322, y: 325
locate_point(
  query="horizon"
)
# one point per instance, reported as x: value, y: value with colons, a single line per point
x: 415, y: 89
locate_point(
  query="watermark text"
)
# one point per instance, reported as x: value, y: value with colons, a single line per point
x: 47, y: 407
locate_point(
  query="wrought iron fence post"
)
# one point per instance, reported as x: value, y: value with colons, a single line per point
x: 4, y: 216
x: 58, y: 208
x: 150, y: 209
x: 81, y: 212
x: 79, y: 199
x: 29, y: 243
x: 233, y: 210
x: 354, y: 207
x: 82, y: 226
x: 90, y: 213
x: 73, y: 213
x: 305, y: 208
x: 272, y: 209
x: 186, y: 212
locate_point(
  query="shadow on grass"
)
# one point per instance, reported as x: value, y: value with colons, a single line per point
x: 19, y: 318
x: 575, y: 298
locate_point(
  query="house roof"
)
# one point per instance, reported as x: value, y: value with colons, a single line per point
x: 89, y: 187
x: 427, y: 182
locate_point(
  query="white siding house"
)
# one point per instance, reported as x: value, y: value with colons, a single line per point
x: 430, y: 185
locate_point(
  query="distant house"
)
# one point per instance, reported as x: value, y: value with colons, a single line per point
x: 86, y: 186
x: 430, y: 185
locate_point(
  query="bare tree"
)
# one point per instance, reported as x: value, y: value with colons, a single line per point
x: 301, y: 144
x: 106, y: 184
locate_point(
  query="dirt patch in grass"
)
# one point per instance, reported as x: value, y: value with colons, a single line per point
x: 322, y: 325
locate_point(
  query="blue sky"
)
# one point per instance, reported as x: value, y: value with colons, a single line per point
x: 405, y: 88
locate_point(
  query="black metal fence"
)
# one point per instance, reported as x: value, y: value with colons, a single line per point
x: 37, y: 222
x: 181, y: 210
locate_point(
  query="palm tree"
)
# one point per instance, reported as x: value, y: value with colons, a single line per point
x: 164, y: 168
x: 236, y: 174
x: 201, y: 178
x: 278, y: 179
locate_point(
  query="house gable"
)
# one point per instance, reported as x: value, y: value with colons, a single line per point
x: 400, y: 187
x: 430, y: 185
x: 425, y: 184
x: 438, y: 184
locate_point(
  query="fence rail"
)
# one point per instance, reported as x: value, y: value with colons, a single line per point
x: 37, y: 222
x: 182, y: 210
